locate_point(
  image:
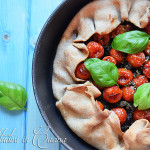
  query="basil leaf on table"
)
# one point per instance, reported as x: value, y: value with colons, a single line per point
x: 131, y: 42
x: 142, y: 97
x: 12, y: 96
x: 104, y: 73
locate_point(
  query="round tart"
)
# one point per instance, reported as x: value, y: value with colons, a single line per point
x: 102, y: 72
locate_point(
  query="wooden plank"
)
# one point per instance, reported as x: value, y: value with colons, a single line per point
x: 13, y: 63
x: 40, y: 11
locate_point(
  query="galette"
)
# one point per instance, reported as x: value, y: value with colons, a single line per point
x: 101, y: 74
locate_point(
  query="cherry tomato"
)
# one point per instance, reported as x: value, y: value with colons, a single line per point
x: 141, y: 114
x: 99, y: 87
x: 102, y: 39
x: 100, y: 105
x: 117, y: 55
x: 148, y: 114
x: 81, y: 72
x: 110, y: 59
x: 146, y: 69
x: 96, y: 50
x: 147, y: 29
x: 136, y: 60
x: 121, y: 29
x: 128, y: 93
x: 128, y: 27
x: 140, y: 80
x: 112, y: 94
x: 147, y: 49
x: 125, y: 76
x: 121, y: 113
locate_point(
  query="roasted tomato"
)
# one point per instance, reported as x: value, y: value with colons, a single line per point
x: 110, y: 59
x: 147, y: 29
x: 148, y: 114
x: 128, y: 27
x: 100, y: 105
x: 81, y: 72
x: 121, y: 113
x: 128, y: 93
x: 121, y: 29
x: 117, y: 55
x: 125, y: 76
x: 141, y: 114
x: 96, y: 50
x: 140, y: 80
x: 147, y: 49
x: 99, y: 87
x: 146, y: 69
x: 136, y: 60
x: 102, y: 39
x: 112, y: 94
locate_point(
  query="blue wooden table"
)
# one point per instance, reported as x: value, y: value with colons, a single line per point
x: 20, y: 24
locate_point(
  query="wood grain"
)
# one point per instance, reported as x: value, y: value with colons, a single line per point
x: 39, y: 13
x: 20, y: 24
x: 13, y: 63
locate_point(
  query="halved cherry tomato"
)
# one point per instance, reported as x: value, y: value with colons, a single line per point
x: 121, y: 113
x: 147, y: 49
x: 136, y: 60
x: 146, y: 69
x: 117, y: 55
x: 140, y: 80
x: 141, y: 114
x: 128, y: 93
x: 110, y: 59
x: 99, y: 87
x: 121, y: 29
x: 81, y: 72
x: 112, y: 94
x: 125, y: 76
x: 147, y: 29
x: 102, y: 39
x: 100, y: 105
x: 96, y: 50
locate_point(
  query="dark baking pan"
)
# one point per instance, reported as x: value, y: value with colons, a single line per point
x: 43, y: 68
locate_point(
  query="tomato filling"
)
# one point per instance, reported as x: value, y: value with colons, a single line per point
x: 133, y: 70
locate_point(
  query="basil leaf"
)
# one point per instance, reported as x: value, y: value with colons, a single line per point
x: 12, y: 96
x: 142, y: 97
x: 131, y: 42
x: 104, y: 73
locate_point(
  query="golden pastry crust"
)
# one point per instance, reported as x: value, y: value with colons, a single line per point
x: 87, y: 120
x: 76, y: 102
x: 138, y: 135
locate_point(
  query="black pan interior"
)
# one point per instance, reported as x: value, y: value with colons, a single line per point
x: 42, y: 72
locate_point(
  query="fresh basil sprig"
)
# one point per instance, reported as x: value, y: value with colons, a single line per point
x: 142, y: 97
x: 12, y: 96
x: 131, y: 42
x: 104, y: 73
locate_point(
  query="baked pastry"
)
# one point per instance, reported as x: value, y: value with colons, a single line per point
x: 76, y: 96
